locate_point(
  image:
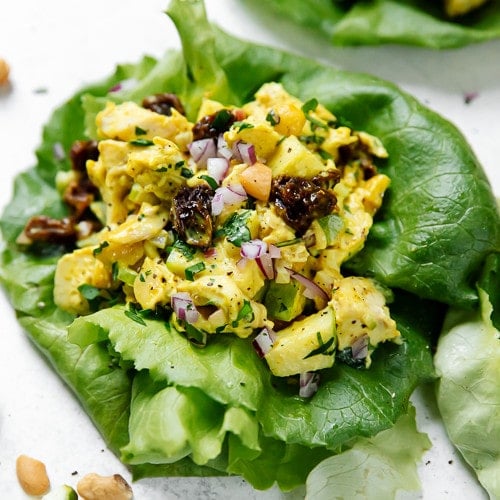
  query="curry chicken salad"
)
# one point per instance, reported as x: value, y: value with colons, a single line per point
x: 237, y: 224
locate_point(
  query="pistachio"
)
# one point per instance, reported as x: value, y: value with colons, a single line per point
x: 96, y: 487
x: 32, y: 475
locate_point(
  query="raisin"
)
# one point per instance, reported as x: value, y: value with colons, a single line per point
x: 215, y: 124
x: 328, y: 178
x: 163, y: 104
x: 49, y: 230
x: 357, y: 152
x: 369, y: 168
x: 79, y: 195
x: 191, y: 215
x: 80, y: 152
x: 299, y: 201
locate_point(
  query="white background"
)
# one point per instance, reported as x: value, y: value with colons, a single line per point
x: 54, y: 48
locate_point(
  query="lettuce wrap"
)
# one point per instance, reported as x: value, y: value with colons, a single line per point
x: 377, y: 22
x: 468, y: 363
x: 137, y: 380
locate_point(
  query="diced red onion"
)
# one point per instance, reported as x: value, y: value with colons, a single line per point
x: 201, y: 150
x: 246, y: 152
x: 223, y: 150
x: 217, y: 203
x: 184, y: 307
x: 127, y: 84
x: 241, y: 263
x: 217, y: 168
x: 264, y: 341
x: 227, y: 195
x: 308, y: 384
x: 360, y: 347
x: 312, y: 289
x: 266, y: 265
x: 274, y: 252
x: 253, y: 249
x: 258, y: 250
x: 210, y: 253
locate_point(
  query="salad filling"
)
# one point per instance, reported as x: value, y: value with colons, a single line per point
x: 236, y: 224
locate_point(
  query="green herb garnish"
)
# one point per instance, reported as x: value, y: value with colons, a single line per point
x: 141, y: 142
x: 194, y: 269
x: 140, y: 131
x: 323, y: 347
x: 100, y: 248
x: 210, y: 180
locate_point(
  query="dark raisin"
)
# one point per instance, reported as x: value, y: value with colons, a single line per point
x: 163, y: 104
x: 215, y: 124
x: 49, y: 230
x: 357, y: 152
x: 299, y: 201
x: 369, y: 168
x: 80, y: 152
x: 191, y: 215
x: 328, y: 178
x: 79, y: 195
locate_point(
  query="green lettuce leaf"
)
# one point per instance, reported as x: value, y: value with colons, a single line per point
x: 168, y: 423
x: 375, y: 468
x: 468, y: 394
x: 439, y: 220
x: 228, y: 371
x: 376, y: 22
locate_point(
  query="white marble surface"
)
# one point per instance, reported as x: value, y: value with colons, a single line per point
x: 53, y: 48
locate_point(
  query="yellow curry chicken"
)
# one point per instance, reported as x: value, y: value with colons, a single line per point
x: 237, y: 224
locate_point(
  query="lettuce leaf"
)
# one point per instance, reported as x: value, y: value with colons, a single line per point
x: 468, y: 394
x: 388, y: 21
x: 439, y: 219
x: 125, y: 374
x: 375, y: 468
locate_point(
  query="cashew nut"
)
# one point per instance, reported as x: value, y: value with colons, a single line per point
x: 96, y: 487
x: 32, y: 475
x: 4, y: 72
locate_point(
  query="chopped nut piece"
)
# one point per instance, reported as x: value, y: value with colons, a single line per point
x: 32, y: 475
x: 4, y: 72
x: 96, y: 487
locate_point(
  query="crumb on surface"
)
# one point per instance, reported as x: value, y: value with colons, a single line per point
x: 470, y: 96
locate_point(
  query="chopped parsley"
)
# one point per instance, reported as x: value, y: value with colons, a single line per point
x: 140, y: 131
x: 210, y: 181
x: 272, y: 117
x: 89, y: 292
x: 100, y: 248
x: 235, y: 228
x: 239, y: 126
x: 196, y: 336
x: 194, y: 269
x: 186, y: 250
x: 115, y: 268
x: 187, y: 173
x: 141, y: 142
x: 246, y: 312
x: 222, y: 120
x: 323, y: 347
x: 135, y: 315
x: 309, y: 106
